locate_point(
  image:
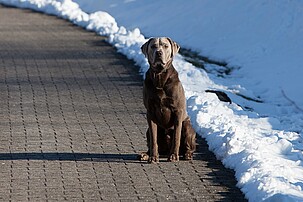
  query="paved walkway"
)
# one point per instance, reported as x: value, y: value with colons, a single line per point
x: 72, y: 122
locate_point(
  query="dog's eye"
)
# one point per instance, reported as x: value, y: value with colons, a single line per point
x: 165, y: 45
x: 154, y: 46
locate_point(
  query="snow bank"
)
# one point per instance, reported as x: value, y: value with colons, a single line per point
x: 267, y: 160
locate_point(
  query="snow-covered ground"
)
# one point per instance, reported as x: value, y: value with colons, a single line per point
x: 260, y: 134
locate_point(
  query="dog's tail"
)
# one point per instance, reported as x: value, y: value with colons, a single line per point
x: 189, y: 135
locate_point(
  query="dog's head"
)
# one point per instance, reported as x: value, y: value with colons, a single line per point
x: 159, y: 52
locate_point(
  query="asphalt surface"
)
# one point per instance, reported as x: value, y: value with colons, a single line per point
x: 72, y: 122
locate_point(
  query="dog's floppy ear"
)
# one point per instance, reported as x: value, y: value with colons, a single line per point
x: 144, y: 47
x: 174, y: 47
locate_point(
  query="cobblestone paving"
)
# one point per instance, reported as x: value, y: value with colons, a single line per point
x: 72, y: 122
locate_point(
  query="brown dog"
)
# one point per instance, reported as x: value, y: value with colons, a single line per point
x: 169, y: 128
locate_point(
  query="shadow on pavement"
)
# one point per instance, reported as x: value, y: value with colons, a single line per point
x: 53, y: 156
x: 220, y: 176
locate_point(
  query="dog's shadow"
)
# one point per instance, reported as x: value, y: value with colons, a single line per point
x: 56, y: 156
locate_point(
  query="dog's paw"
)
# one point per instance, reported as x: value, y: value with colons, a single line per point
x: 153, y: 159
x: 143, y: 156
x: 173, y: 158
x: 188, y: 156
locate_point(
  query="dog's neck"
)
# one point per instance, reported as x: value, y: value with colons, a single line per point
x: 160, y: 78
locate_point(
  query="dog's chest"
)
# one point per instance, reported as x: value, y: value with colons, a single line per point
x: 161, y: 106
x: 162, y: 99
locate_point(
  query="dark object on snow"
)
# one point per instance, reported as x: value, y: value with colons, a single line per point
x: 221, y: 95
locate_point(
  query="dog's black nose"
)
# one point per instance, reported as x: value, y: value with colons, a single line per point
x: 159, y: 53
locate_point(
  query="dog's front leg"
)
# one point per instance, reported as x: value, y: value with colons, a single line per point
x: 154, y: 156
x: 174, y: 152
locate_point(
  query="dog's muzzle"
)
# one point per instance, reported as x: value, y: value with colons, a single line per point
x: 158, y: 58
